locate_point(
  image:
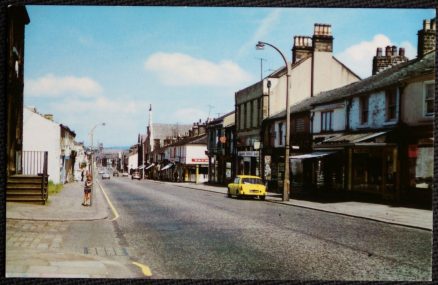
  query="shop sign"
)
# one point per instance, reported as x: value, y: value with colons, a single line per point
x: 199, y: 160
x: 248, y: 153
x: 412, y: 151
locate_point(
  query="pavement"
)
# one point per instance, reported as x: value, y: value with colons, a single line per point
x: 34, y: 233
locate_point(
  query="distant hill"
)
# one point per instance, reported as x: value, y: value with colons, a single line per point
x: 112, y: 149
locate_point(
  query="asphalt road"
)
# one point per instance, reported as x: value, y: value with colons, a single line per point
x: 187, y: 233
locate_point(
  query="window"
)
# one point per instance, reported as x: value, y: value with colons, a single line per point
x: 299, y: 125
x: 326, y: 121
x: 280, y: 133
x: 429, y: 93
x: 255, y: 116
x: 364, y: 109
x: 248, y: 117
x: 391, y: 101
x: 259, y: 111
x: 242, y: 116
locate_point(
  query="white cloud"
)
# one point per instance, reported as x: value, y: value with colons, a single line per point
x: 52, y: 86
x: 124, y: 118
x: 176, y: 69
x: 410, y: 50
x: 359, y: 57
x: 189, y: 115
x: 100, y: 105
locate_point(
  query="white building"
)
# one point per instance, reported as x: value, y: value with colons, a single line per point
x: 189, y: 156
x: 80, y: 160
x: 132, y: 161
x: 41, y: 133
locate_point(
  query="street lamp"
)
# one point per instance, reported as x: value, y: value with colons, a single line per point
x: 261, y: 45
x: 91, y: 133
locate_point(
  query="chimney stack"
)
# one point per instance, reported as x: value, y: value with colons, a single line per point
x: 426, y: 37
x: 382, y: 62
x: 322, y: 38
x: 302, y: 48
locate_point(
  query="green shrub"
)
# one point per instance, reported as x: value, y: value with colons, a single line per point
x: 54, y: 188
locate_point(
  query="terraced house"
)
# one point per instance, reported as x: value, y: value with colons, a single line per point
x: 375, y: 136
x: 313, y: 69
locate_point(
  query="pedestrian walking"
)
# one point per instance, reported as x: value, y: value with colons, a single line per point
x: 82, y: 175
x: 87, y: 190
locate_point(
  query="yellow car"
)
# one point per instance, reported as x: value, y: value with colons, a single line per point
x: 247, y: 185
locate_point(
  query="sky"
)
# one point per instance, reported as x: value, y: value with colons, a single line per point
x: 87, y: 65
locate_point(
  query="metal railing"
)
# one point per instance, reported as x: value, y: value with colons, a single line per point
x: 33, y: 162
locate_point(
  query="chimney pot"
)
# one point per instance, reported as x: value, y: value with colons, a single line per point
x: 388, y: 51
x: 426, y: 24
x: 379, y: 52
x: 401, y: 51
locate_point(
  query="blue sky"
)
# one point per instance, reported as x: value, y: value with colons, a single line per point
x: 87, y: 65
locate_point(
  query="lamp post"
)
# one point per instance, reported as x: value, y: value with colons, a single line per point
x: 261, y: 45
x: 91, y: 133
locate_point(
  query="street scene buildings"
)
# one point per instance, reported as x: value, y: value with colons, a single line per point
x: 347, y: 135
x: 348, y: 156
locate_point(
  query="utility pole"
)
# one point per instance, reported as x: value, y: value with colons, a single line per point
x: 261, y: 67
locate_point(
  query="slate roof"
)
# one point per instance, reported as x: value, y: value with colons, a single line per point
x: 201, y: 139
x: 162, y: 131
x: 389, y: 77
x: 219, y: 120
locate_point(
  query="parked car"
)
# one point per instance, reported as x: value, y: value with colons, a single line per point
x: 106, y: 175
x: 115, y: 173
x: 247, y: 185
x: 125, y: 174
x: 101, y: 171
x: 136, y: 175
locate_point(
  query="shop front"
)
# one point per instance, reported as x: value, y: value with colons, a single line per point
x: 317, y: 171
x: 249, y: 162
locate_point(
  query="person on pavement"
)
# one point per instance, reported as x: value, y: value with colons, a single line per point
x: 87, y: 190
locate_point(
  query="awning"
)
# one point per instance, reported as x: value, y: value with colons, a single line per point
x: 149, y: 166
x: 312, y: 155
x: 167, y: 166
x: 352, y: 138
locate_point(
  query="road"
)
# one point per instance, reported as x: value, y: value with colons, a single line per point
x: 185, y: 233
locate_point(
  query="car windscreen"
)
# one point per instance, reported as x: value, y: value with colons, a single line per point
x: 252, y: 181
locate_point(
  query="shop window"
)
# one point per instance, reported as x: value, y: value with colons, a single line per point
x: 421, y: 166
x: 429, y: 93
x: 327, y: 121
x: 364, y: 109
x: 391, y: 101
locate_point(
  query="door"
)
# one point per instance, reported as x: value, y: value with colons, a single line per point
x: 234, y: 186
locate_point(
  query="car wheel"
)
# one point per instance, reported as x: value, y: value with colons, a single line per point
x: 229, y: 193
x: 262, y: 198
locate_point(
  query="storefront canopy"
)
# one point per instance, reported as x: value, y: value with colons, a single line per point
x: 312, y: 155
x: 167, y: 166
x: 352, y: 138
